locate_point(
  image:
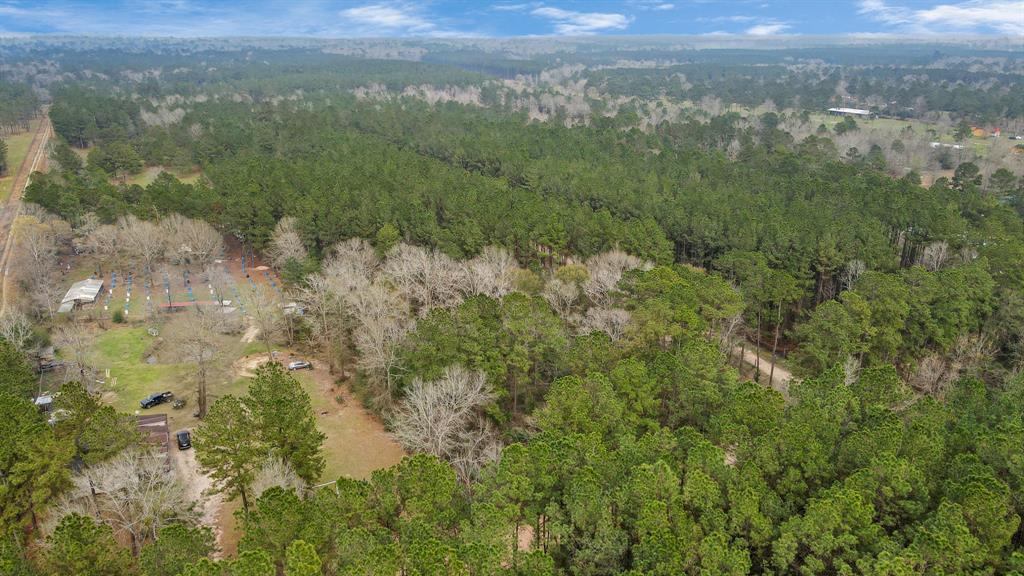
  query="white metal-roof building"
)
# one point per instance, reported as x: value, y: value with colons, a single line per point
x: 82, y: 292
x: 849, y: 112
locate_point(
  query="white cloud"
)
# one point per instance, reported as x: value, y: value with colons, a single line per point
x: 1004, y: 16
x: 665, y: 6
x: 767, y: 29
x: 388, y: 17
x: 511, y: 7
x: 570, y: 23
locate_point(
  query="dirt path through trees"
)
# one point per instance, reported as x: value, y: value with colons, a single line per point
x: 34, y: 160
x: 782, y: 377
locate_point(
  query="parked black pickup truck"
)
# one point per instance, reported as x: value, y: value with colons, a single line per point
x: 156, y: 399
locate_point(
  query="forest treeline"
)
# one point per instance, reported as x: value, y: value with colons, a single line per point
x: 18, y: 105
x: 911, y: 81
x: 459, y: 178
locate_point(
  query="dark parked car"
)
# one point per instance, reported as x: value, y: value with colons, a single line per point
x: 300, y: 365
x: 49, y: 365
x: 156, y: 399
x: 184, y: 440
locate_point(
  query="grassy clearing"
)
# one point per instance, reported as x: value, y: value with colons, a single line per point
x: 125, y: 349
x: 356, y: 443
x: 147, y: 176
x: 17, y: 149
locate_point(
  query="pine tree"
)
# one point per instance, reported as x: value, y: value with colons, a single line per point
x: 82, y: 547
x: 229, y: 449
x: 283, y: 416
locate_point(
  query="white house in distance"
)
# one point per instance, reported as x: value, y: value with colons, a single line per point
x: 82, y: 292
x: 849, y: 112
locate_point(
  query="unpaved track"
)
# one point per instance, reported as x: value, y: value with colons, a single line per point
x: 34, y: 160
x: 782, y: 376
x: 198, y: 484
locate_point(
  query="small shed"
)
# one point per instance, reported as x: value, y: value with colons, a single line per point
x: 155, y: 432
x: 81, y: 292
x: 44, y: 403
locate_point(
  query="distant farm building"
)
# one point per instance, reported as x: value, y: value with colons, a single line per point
x: 849, y: 112
x: 83, y: 292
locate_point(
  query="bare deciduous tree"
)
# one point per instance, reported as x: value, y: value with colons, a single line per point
x: 219, y: 281
x: 851, y: 370
x: 286, y: 244
x: 934, y: 255
x: 104, y: 243
x: 76, y: 340
x: 561, y: 296
x: 851, y: 273
x: 87, y: 225
x: 428, y: 279
x: 277, y: 472
x: 139, y: 495
x: 324, y: 311
x: 606, y: 270
x: 442, y: 418
x: 932, y: 376
x: 142, y: 240
x: 382, y: 322
x: 936, y: 373
x: 35, y: 258
x: 265, y: 313
x: 354, y: 253
x: 190, y: 241
x: 491, y: 273
x: 195, y: 340
x: 350, y: 267
x: 16, y: 328
x: 611, y: 321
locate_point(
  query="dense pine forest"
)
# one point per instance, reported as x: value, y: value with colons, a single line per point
x: 638, y: 309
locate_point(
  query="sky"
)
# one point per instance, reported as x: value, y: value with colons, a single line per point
x: 511, y: 18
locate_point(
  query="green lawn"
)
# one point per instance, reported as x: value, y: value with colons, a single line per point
x: 17, y: 149
x: 124, y: 349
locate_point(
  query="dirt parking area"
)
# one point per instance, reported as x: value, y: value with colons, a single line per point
x: 198, y: 486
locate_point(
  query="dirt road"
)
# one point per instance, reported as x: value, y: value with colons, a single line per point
x: 34, y: 160
x: 197, y: 484
x: 782, y: 376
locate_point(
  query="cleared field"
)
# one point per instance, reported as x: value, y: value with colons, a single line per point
x: 17, y: 149
x: 140, y: 365
x: 356, y: 443
x: 147, y: 176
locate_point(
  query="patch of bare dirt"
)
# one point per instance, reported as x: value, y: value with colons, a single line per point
x: 782, y: 377
x: 245, y: 367
x: 251, y: 333
x: 524, y: 537
x: 198, y: 484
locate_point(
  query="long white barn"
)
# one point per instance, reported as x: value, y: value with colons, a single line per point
x: 82, y: 292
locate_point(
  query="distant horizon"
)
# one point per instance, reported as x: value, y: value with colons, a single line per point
x: 937, y: 20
